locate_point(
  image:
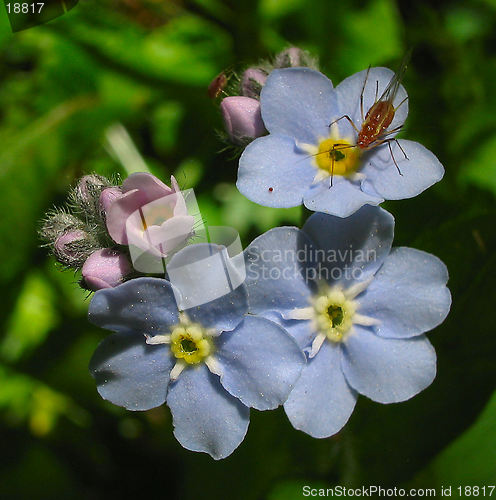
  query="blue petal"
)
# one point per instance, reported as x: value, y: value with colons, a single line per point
x: 321, y: 402
x: 343, y: 199
x: 222, y: 314
x: 273, y: 172
x: 354, y: 247
x: 131, y: 373
x: 348, y: 95
x: 301, y: 330
x: 145, y: 305
x: 260, y: 363
x: 204, y: 274
x: 299, y: 103
x: 206, y: 417
x: 388, y: 370
x: 277, y: 268
x: 420, y: 171
x: 408, y: 294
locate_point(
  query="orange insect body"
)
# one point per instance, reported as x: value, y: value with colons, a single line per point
x: 380, y: 115
x: 374, y: 130
x: 377, y: 120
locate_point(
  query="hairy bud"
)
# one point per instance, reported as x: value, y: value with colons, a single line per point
x: 295, y: 57
x: 57, y: 223
x: 90, y: 186
x: 73, y: 247
x: 252, y: 81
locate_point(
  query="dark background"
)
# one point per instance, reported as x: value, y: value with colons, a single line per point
x: 77, y: 93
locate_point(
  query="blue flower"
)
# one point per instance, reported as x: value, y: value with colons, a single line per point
x: 296, y: 163
x: 357, y: 308
x: 209, y: 363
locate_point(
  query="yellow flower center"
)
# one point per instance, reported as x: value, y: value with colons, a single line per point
x: 190, y: 343
x: 337, y: 157
x: 333, y: 313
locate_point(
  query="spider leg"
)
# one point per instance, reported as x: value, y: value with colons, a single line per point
x: 349, y: 120
x: 404, y: 100
x: 332, y: 167
x: 402, y: 150
x: 389, y: 141
x: 361, y: 93
x: 392, y: 155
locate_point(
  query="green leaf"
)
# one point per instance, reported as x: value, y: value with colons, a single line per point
x: 166, y: 120
x: 466, y: 23
x: 272, y: 9
x: 470, y: 459
x: 185, y: 50
x: 480, y: 168
x: 189, y: 173
x: 372, y: 36
x: 33, y: 317
x: 26, y: 400
x: 32, y: 158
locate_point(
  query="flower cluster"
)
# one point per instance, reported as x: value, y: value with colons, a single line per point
x: 103, y: 222
x: 312, y: 317
x: 362, y: 330
x: 209, y: 363
x: 312, y: 153
x: 241, y: 108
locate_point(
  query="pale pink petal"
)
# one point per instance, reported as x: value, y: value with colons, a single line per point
x: 147, y: 183
x: 172, y: 234
x: 119, y: 212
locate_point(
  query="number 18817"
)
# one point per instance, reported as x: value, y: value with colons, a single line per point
x: 24, y: 8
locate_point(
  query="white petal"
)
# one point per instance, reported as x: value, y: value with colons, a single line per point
x: 157, y: 339
x: 361, y: 319
x: 300, y: 313
x: 317, y: 344
x: 311, y: 149
x: 356, y: 289
x: 176, y: 371
x: 213, y: 365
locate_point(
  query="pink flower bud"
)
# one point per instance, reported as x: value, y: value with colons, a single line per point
x: 242, y: 118
x: 90, y: 186
x: 57, y: 223
x: 108, y: 196
x: 105, y: 268
x: 71, y: 247
x: 294, y: 57
x: 252, y: 81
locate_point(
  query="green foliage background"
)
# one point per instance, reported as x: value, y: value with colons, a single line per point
x: 135, y: 72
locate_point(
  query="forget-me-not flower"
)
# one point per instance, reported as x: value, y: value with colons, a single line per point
x: 358, y: 308
x: 210, y: 363
x: 307, y: 160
